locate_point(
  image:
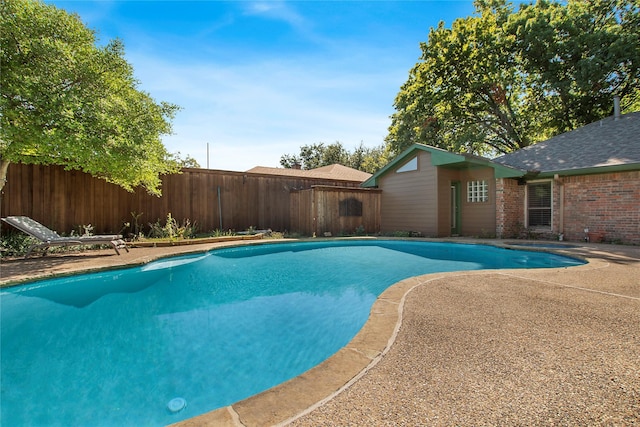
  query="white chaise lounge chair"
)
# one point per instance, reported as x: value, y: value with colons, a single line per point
x: 49, y: 237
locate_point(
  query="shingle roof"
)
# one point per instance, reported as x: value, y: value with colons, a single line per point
x: 336, y: 171
x: 607, y: 143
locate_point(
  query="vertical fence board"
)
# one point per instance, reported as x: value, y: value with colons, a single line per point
x: 318, y: 211
x: 64, y: 200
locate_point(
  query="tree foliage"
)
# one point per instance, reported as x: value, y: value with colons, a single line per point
x: 317, y: 155
x: 185, y: 162
x: 502, y: 79
x: 67, y: 101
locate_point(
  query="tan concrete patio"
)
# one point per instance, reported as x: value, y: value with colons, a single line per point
x: 504, y: 347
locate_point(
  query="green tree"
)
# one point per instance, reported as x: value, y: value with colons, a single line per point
x: 502, y: 80
x: 335, y: 154
x: 369, y: 159
x: 576, y: 57
x: 631, y: 102
x: 290, y: 161
x: 318, y: 155
x: 64, y: 100
x: 186, y: 162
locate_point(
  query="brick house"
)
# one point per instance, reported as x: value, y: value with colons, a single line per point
x: 586, y: 179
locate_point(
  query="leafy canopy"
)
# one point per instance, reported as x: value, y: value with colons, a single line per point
x: 66, y: 101
x: 317, y: 155
x: 502, y: 80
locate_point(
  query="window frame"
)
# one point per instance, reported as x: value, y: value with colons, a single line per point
x: 527, y: 208
x: 478, y: 191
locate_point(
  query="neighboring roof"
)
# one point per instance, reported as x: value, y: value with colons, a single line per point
x: 606, y: 145
x: 440, y: 157
x: 336, y: 171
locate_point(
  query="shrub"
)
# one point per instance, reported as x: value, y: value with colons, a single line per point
x: 222, y: 233
x: 172, y: 230
x: 15, y: 244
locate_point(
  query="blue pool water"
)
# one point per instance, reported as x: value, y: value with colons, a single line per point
x: 133, y: 346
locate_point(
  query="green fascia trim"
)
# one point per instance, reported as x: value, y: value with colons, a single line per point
x: 502, y: 171
x: 440, y: 157
x: 370, y: 183
x: 590, y: 171
x: 373, y: 180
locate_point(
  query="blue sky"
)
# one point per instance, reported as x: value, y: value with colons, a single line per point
x: 259, y: 79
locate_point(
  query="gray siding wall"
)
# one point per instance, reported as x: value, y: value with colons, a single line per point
x: 409, y: 199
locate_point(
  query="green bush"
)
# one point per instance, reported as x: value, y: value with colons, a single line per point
x: 400, y: 233
x: 14, y: 243
x: 221, y: 233
x: 172, y: 229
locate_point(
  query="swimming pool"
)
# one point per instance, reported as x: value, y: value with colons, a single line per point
x: 119, y: 347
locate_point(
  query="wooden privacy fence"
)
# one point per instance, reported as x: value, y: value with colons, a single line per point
x: 213, y: 199
x: 335, y: 210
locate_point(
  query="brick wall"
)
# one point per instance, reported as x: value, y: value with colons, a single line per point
x: 509, y: 208
x: 608, y: 203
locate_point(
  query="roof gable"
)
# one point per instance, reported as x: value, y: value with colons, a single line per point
x: 606, y: 145
x: 440, y: 157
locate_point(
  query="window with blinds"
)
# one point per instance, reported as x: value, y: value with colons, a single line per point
x: 539, y: 204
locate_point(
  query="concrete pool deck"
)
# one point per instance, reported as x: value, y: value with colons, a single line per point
x: 556, y: 346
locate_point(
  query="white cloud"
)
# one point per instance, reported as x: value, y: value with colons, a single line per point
x: 259, y: 79
x: 277, y: 10
x: 251, y: 114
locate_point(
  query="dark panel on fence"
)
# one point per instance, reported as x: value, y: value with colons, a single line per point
x: 64, y: 200
x: 317, y: 210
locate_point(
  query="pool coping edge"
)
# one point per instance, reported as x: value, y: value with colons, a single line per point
x: 297, y: 397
